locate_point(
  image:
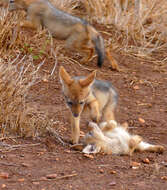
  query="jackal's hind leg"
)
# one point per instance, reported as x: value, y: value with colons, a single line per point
x: 94, y: 111
x: 112, y: 61
x: 108, y: 114
x: 144, y: 146
x: 156, y: 148
x: 79, y: 41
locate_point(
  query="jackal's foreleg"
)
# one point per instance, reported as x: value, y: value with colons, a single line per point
x: 75, y: 129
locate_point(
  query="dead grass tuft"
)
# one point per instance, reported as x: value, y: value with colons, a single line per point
x: 65, y: 5
x: 17, y: 116
x: 136, y: 27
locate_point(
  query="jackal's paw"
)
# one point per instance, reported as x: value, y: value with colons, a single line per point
x: 78, y: 147
x: 160, y: 149
x: 92, y: 125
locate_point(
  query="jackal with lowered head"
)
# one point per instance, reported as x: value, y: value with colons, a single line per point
x: 98, y: 96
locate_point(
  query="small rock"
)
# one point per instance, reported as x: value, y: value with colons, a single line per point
x: 35, y: 182
x: 136, y: 87
x: 25, y: 165
x: 164, y: 178
x: 135, y: 168
x: 112, y: 183
x: 141, y: 120
x: 4, y: 175
x: 88, y: 156
x: 113, y: 172
x: 21, y: 180
x: 164, y: 163
x: 146, y: 161
x: 101, y: 171
x: 51, y: 176
x: 135, y: 164
x: 45, y: 80
x: 3, y: 185
x: 67, y: 151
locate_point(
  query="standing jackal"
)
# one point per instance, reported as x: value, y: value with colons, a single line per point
x: 112, y: 138
x: 99, y: 97
x: 78, y: 33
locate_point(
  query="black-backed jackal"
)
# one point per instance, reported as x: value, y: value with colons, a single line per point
x: 113, y: 138
x: 99, y: 97
x: 78, y: 33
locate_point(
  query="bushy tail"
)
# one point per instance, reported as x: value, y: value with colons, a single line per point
x: 98, y: 42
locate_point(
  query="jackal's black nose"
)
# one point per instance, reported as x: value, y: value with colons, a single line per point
x: 75, y: 114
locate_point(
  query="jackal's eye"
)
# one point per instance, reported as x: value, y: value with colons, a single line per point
x: 69, y: 103
x: 11, y: 1
x: 81, y: 103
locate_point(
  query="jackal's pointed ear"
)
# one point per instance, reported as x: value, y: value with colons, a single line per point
x: 91, y: 148
x: 64, y: 76
x: 88, y: 80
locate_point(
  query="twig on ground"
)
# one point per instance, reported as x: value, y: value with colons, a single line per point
x: 57, y: 136
x: 9, y: 164
x: 13, y: 147
x: 9, y: 137
x: 57, y: 178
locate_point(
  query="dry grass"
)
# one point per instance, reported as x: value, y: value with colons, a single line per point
x: 135, y: 28
x: 22, y: 53
x: 16, y: 116
x: 65, y: 5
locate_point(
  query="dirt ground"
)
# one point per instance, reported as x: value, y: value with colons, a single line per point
x: 44, y: 164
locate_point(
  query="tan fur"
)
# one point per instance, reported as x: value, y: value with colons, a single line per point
x: 133, y: 143
x: 110, y: 137
x: 84, y: 94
